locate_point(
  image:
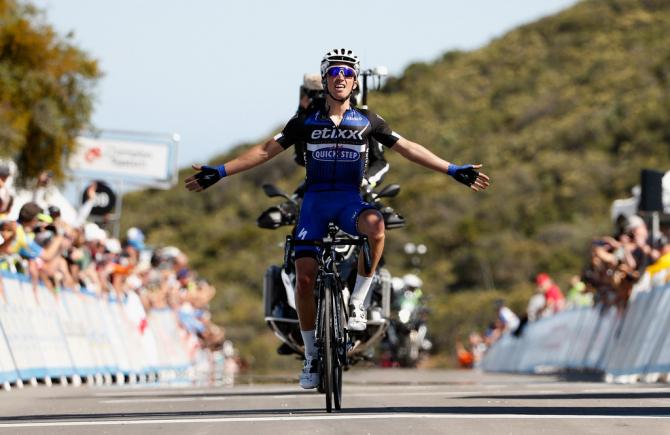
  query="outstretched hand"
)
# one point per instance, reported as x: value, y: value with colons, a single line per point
x: 205, y: 177
x: 470, y: 176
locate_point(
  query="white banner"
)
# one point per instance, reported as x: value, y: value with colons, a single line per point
x: 80, y: 333
x: 124, y: 158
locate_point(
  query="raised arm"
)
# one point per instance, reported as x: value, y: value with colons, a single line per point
x: 466, y: 174
x: 253, y: 157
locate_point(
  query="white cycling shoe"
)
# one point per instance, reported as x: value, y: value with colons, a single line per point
x: 358, y: 319
x: 309, y: 377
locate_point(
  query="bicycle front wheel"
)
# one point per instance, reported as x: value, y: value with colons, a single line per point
x: 328, y: 346
x: 339, y: 347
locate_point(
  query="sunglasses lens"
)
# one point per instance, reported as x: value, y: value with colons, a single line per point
x: 345, y: 70
x: 334, y: 72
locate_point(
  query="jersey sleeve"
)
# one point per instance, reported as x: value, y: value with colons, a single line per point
x: 381, y: 130
x: 291, y: 133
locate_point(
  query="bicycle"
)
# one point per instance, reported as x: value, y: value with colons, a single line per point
x: 331, y: 337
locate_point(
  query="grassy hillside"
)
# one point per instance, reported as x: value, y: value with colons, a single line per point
x: 563, y: 113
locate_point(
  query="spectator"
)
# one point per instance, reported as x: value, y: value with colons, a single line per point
x: 43, y: 189
x: 660, y: 269
x: 507, y: 320
x: 492, y: 334
x: 612, y: 270
x: 637, y: 235
x: 477, y: 347
x: 184, y: 278
x: 554, y: 299
x: 6, y: 198
x: 86, y: 208
x: 7, y: 235
x: 578, y: 296
x: 536, y: 305
x: 44, y: 261
x: 465, y: 357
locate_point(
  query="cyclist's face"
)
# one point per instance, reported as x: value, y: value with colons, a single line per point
x: 340, y: 86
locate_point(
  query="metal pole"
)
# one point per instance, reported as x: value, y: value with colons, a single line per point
x: 365, y: 90
x: 119, y: 209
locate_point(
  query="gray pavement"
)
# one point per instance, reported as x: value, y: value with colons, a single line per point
x: 375, y: 401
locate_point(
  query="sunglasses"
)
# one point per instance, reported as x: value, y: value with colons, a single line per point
x: 335, y: 71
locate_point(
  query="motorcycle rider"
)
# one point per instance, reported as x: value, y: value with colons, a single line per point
x: 336, y: 137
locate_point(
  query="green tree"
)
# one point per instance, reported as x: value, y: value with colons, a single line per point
x: 46, y: 90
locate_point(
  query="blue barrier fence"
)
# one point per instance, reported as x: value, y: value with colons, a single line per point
x: 628, y: 346
x: 77, y: 335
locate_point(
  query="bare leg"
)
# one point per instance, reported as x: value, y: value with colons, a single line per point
x: 34, y: 273
x: 306, y: 269
x: 371, y: 224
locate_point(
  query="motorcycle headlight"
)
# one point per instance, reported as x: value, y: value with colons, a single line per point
x: 271, y: 218
x: 404, y: 315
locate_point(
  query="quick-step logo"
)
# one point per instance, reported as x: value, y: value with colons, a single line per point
x: 339, y: 154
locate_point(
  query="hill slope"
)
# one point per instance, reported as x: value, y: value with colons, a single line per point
x: 563, y: 112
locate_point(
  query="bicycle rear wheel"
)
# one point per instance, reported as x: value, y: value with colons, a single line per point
x: 328, y: 346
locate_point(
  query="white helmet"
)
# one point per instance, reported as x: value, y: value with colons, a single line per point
x: 340, y: 55
x: 412, y: 281
x: 397, y: 284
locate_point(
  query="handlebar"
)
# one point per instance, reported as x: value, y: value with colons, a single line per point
x: 329, y: 242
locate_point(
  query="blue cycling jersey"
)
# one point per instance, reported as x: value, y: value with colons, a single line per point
x: 336, y: 155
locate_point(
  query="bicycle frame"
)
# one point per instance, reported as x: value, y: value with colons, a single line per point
x: 331, y: 337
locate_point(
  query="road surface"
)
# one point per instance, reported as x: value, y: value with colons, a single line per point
x: 376, y: 401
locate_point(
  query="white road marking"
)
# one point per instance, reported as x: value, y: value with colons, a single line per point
x: 286, y: 396
x: 157, y: 400
x: 662, y: 389
x: 163, y: 391
x: 331, y: 417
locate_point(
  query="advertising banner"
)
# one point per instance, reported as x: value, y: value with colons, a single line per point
x: 125, y: 158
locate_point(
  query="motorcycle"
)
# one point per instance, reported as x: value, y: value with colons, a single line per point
x: 280, y: 280
x: 407, y: 340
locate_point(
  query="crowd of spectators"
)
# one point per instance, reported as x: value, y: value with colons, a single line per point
x: 615, y: 264
x: 76, y: 254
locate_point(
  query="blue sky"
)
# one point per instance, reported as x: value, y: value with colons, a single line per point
x: 220, y: 73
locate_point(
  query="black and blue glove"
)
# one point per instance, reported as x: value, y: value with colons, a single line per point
x: 209, y: 175
x: 465, y: 174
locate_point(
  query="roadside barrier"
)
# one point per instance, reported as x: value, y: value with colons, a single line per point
x: 77, y: 336
x: 629, y: 346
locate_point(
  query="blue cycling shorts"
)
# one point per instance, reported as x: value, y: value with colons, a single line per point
x: 319, y: 208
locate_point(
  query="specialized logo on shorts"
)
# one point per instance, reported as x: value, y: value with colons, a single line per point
x: 302, y: 234
x: 329, y: 133
x: 333, y: 154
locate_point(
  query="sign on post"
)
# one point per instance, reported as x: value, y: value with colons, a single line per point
x: 146, y: 159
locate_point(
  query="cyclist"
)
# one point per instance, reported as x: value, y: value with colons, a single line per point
x: 336, y: 137
x: 311, y: 97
